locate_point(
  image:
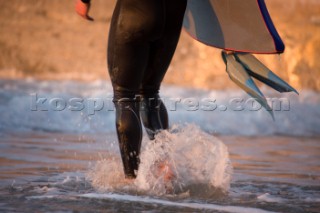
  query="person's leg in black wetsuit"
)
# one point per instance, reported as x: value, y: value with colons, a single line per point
x: 142, y: 40
x: 154, y: 114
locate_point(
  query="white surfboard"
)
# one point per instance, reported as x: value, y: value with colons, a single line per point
x: 236, y: 25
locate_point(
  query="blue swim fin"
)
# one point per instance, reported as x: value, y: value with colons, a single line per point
x: 240, y: 76
x: 259, y: 71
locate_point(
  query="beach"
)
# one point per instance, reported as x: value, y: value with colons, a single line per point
x: 57, y: 158
x: 59, y: 149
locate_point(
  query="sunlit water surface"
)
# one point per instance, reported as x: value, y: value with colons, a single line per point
x: 225, y: 161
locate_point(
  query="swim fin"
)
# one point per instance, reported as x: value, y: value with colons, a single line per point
x: 240, y: 76
x: 259, y: 71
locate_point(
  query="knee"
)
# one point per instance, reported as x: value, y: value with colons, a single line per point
x: 124, y: 95
x: 127, y: 117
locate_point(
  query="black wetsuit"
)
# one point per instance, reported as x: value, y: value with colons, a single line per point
x: 142, y: 40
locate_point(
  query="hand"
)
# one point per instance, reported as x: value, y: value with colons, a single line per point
x: 83, y: 9
x: 229, y: 52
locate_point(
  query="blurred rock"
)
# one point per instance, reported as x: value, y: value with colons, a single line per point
x: 47, y: 40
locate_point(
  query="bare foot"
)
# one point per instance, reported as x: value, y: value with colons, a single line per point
x: 229, y: 52
x: 128, y: 181
x: 165, y: 171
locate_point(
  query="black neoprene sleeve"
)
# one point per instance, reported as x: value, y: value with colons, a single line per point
x: 86, y: 1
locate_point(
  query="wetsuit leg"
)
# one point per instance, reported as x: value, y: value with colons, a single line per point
x: 129, y: 133
x: 153, y: 113
x: 135, y: 25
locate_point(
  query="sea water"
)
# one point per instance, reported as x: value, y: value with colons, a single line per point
x: 59, y: 152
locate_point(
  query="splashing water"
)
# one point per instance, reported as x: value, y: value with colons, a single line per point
x: 199, y: 162
x: 46, y: 155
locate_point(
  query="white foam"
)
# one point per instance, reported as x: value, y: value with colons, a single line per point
x: 312, y: 199
x: 151, y: 200
x: 196, y: 206
x: 301, y: 113
x: 195, y: 157
x: 270, y: 199
x: 40, y: 197
x: 45, y: 189
x: 107, y: 175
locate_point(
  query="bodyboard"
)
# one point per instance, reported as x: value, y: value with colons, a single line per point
x: 235, y: 25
